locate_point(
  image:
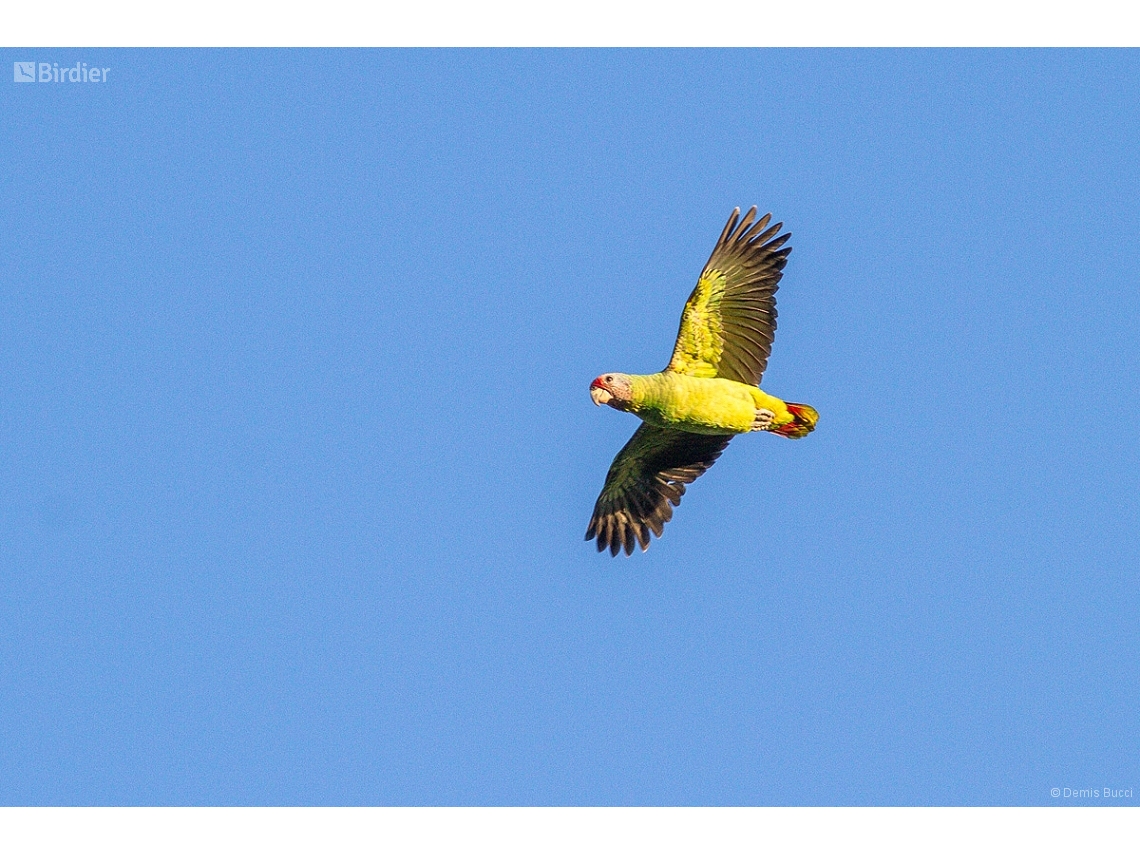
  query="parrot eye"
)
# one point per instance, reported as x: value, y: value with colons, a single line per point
x: 609, y: 378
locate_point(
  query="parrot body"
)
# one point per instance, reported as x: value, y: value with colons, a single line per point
x: 707, y: 405
x: 707, y: 393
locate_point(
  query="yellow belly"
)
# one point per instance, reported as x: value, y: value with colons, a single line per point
x: 702, y: 404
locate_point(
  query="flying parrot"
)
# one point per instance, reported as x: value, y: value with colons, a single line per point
x: 707, y: 393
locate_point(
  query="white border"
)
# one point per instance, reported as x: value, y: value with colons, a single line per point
x: 582, y: 23
x: 574, y: 831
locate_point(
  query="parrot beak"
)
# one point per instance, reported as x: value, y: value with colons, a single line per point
x: 600, y: 396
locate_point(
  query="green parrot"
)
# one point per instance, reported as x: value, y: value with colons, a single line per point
x: 707, y: 393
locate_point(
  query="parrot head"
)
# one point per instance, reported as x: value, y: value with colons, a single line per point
x: 613, y: 389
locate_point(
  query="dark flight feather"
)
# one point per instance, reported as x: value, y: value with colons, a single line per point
x: 646, y: 479
x: 729, y: 320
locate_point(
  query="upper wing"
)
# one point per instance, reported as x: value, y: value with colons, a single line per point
x: 730, y: 318
x: 648, y: 474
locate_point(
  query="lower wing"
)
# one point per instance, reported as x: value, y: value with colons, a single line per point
x: 645, y: 481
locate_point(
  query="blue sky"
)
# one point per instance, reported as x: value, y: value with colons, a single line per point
x: 299, y: 450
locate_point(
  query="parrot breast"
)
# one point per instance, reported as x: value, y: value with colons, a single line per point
x: 707, y: 405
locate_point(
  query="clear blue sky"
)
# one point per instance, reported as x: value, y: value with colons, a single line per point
x: 298, y: 450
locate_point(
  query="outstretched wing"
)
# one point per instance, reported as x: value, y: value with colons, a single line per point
x: 730, y: 318
x: 649, y: 475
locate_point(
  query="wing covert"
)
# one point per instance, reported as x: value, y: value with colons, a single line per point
x: 729, y: 320
x: 645, y: 481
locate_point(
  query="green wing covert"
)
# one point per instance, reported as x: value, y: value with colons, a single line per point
x: 645, y: 481
x: 730, y: 318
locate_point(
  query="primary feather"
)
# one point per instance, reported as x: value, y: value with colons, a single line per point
x: 730, y: 318
x: 645, y: 482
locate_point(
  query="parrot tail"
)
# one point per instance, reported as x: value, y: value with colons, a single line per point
x: 802, y: 423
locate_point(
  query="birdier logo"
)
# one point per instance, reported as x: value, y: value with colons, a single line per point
x: 51, y: 72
